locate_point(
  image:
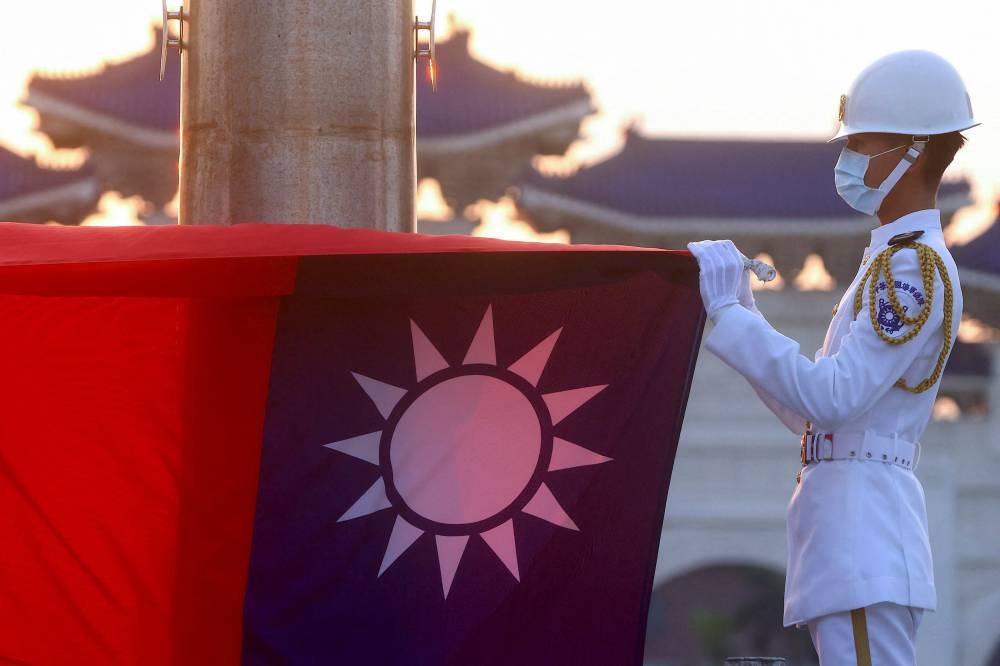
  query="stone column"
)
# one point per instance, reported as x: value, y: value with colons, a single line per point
x: 298, y: 111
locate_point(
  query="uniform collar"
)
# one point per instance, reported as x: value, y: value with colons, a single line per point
x: 921, y: 220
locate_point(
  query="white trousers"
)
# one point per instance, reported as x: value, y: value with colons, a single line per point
x: 891, y: 636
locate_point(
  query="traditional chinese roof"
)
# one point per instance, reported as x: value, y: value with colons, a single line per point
x: 125, y: 98
x: 774, y: 197
x: 475, y: 135
x: 474, y: 97
x: 30, y: 193
x: 982, y: 253
x: 979, y: 268
x: 699, y: 178
x: 479, y: 132
x: 20, y: 176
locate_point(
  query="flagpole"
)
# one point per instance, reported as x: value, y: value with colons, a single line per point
x: 298, y: 111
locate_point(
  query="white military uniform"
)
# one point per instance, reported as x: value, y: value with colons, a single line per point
x: 857, y: 528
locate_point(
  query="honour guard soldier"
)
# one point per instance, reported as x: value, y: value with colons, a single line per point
x: 859, y: 563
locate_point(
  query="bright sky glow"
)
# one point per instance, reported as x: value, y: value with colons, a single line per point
x: 734, y: 68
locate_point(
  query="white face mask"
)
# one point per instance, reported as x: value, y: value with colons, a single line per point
x: 849, y: 176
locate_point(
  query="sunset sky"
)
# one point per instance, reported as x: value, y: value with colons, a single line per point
x: 732, y: 68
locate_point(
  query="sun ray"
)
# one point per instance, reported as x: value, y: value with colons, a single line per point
x: 373, y: 500
x: 564, y: 403
x: 483, y: 348
x: 501, y: 541
x: 544, y: 505
x: 450, y: 549
x: 531, y: 365
x: 566, y: 455
x: 402, y: 537
x: 385, y: 396
x: 426, y: 357
x: 362, y: 447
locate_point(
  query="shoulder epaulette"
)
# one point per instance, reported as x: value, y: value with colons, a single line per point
x: 908, y: 237
x: 895, y: 315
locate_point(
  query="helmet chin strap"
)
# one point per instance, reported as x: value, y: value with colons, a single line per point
x: 912, y: 153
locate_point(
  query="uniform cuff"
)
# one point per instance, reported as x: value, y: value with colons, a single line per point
x: 731, y: 325
x: 716, y: 314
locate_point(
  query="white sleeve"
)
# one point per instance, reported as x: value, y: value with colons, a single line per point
x: 792, y: 419
x: 833, y: 389
x: 789, y: 417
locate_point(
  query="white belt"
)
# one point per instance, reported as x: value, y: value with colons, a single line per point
x: 817, y: 447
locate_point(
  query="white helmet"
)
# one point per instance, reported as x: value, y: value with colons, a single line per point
x: 909, y: 92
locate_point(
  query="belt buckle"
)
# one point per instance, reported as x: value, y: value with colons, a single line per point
x: 809, y: 448
x: 829, y: 437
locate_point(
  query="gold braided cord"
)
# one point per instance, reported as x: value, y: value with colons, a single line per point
x: 930, y: 262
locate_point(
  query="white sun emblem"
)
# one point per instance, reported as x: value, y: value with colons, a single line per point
x: 467, y: 449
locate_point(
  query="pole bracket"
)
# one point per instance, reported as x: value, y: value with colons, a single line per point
x: 168, y: 41
x: 425, y: 50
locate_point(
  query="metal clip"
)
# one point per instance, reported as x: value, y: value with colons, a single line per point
x: 168, y: 41
x: 427, y: 50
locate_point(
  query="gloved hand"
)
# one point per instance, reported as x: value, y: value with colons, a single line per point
x: 720, y: 274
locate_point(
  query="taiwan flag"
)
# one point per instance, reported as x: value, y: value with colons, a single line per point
x: 272, y: 444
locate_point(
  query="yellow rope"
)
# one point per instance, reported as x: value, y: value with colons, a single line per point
x: 930, y: 262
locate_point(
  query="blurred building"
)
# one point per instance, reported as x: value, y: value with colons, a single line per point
x: 476, y: 135
x: 721, y: 566
x: 771, y: 197
x: 126, y: 120
x: 479, y: 132
x: 31, y: 193
x: 979, y: 261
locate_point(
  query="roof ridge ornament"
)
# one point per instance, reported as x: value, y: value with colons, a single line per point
x: 168, y: 42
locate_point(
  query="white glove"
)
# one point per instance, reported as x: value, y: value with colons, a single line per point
x: 720, y: 274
